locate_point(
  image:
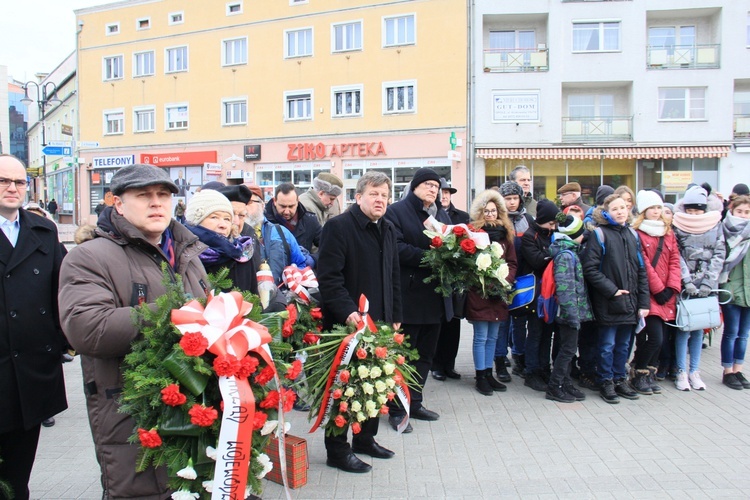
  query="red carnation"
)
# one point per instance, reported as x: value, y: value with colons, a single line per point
x: 202, y: 416
x: 398, y: 338
x: 361, y: 353
x: 310, y: 338
x: 356, y: 428
x: 248, y: 365
x: 400, y: 359
x: 459, y: 231
x: 316, y: 313
x: 381, y: 352
x: 172, y: 396
x: 344, y: 376
x: 294, y: 370
x: 271, y: 400
x: 469, y: 246
x: 265, y: 375
x: 343, y: 407
x: 337, y: 394
x: 194, y: 344
x: 289, y: 397
x: 384, y: 410
x: 437, y: 242
x: 149, y: 439
x: 226, y: 365
x: 340, y: 421
x: 258, y: 420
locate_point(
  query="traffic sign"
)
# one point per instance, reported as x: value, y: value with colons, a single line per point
x: 58, y: 143
x: 57, y: 151
x: 88, y: 144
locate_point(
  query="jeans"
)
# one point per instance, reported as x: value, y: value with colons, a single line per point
x: 648, y: 343
x: 734, y: 339
x: 685, y: 342
x: 518, y: 333
x: 501, y: 346
x: 567, y: 344
x: 614, y: 345
x: 483, y: 346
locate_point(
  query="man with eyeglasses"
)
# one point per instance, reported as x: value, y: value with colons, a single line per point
x: 31, y: 374
x: 423, y: 308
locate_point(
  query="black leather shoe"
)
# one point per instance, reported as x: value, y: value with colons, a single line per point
x: 424, y: 414
x: 373, y: 449
x: 438, y: 375
x: 452, y: 374
x: 395, y: 421
x: 349, y: 463
x: 49, y: 422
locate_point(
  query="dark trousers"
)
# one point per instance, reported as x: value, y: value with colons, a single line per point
x: 518, y: 334
x: 648, y: 343
x: 447, y: 345
x: 424, y: 339
x: 338, y: 446
x: 567, y: 342
x: 538, y: 345
x: 666, y: 356
x: 18, y: 449
x: 588, y: 340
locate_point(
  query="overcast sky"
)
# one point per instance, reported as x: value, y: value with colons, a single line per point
x: 37, y: 35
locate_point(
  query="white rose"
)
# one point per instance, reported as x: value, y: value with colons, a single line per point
x: 184, y: 495
x: 356, y: 406
x: 375, y: 372
x: 380, y: 386
x: 370, y: 405
x: 382, y: 399
x: 496, y: 249
x: 502, y: 272
x: 363, y: 371
x: 390, y: 383
x: 368, y: 388
x: 389, y: 368
x: 484, y: 261
x: 361, y: 417
x: 349, y: 392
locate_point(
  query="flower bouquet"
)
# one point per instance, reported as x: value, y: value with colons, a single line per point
x: 354, y: 372
x: 204, y: 391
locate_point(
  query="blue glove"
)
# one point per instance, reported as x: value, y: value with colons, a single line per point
x: 691, y: 289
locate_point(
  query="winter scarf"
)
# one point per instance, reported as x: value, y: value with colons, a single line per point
x: 737, y: 234
x: 519, y: 221
x: 655, y: 228
x: 696, y: 224
x: 220, y: 248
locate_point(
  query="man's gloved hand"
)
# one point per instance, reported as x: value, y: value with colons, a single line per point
x: 691, y: 289
x: 704, y: 291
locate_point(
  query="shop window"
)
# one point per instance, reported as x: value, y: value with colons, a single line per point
x: 143, y: 63
x: 112, y: 68
x: 346, y: 36
x: 596, y: 37
x: 299, y: 43
x: 399, y: 97
x: 234, y: 111
x: 682, y: 103
x: 347, y: 101
x: 399, y: 30
x: 298, y: 105
x: 177, y: 116
x: 144, y: 119
x: 177, y: 59
x: 234, y: 51
x: 114, y: 121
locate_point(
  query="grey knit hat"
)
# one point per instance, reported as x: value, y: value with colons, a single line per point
x: 510, y: 188
x: 696, y: 197
x: 204, y: 203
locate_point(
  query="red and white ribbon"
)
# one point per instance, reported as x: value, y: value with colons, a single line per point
x: 481, y: 239
x: 298, y: 281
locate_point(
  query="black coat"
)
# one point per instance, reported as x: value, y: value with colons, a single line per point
x: 306, y: 232
x: 457, y: 216
x: 31, y: 340
x: 356, y: 258
x: 535, y: 254
x: 422, y: 305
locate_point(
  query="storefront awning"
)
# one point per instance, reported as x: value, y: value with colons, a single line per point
x: 606, y: 153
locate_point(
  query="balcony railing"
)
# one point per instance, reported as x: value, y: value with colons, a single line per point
x: 683, y: 57
x: 516, y: 60
x: 600, y: 128
x: 742, y: 126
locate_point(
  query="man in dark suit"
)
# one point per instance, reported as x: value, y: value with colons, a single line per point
x: 358, y: 255
x: 31, y: 375
x: 424, y: 309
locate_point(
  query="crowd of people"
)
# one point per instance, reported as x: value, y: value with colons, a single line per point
x: 619, y: 267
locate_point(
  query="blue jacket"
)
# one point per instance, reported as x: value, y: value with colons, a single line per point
x: 274, y: 252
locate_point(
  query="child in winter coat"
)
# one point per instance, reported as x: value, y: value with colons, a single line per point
x: 573, y: 306
x: 700, y: 237
x: 661, y: 256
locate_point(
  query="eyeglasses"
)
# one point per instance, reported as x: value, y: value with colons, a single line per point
x: 490, y: 212
x: 432, y: 185
x: 20, y: 183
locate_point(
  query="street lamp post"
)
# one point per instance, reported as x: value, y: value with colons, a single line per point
x: 45, y: 94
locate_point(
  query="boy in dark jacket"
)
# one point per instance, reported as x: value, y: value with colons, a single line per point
x: 573, y: 306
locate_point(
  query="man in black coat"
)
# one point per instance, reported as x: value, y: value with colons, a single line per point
x: 31, y: 375
x: 444, y: 364
x: 290, y: 213
x: 358, y: 255
x: 424, y: 308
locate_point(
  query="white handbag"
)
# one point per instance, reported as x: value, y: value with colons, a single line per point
x: 699, y: 313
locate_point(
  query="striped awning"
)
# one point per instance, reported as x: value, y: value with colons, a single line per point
x: 632, y: 153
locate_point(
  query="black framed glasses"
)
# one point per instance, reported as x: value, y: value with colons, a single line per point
x: 20, y: 183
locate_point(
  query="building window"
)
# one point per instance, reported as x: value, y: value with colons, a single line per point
x: 177, y: 116
x: 347, y: 36
x: 234, y: 51
x: 114, y: 121
x: 298, y: 105
x: 299, y: 43
x: 143, y: 23
x: 234, y: 8
x: 144, y: 119
x: 399, y: 97
x: 177, y: 59
x: 596, y: 37
x: 588, y: 106
x: 347, y: 101
x: 682, y: 103
x: 143, y: 63
x: 112, y: 29
x: 176, y: 18
x: 399, y: 30
x: 666, y: 37
x: 113, y: 68
x: 234, y: 111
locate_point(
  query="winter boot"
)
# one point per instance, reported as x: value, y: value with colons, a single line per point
x: 588, y: 381
x: 483, y: 385
x: 607, y: 392
x: 534, y: 380
x: 640, y: 382
x: 623, y: 390
x: 496, y: 386
x: 502, y: 369
x: 655, y: 388
x: 519, y: 365
x: 558, y: 393
x: 573, y: 390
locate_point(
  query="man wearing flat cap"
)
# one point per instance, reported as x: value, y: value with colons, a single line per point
x: 322, y: 198
x: 570, y: 194
x: 102, y: 281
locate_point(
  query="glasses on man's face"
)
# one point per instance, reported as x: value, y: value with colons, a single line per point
x: 432, y: 185
x: 490, y: 212
x: 20, y: 183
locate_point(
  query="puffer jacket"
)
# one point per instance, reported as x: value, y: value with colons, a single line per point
x: 573, y: 302
x: 666, y: 274
x: 615, y: 265
x: 535, y: 244
x: 739, y: 283
x: 101, y: 280
x: 702, y: 256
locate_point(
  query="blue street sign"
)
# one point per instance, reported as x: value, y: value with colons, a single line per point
x: 57, y: 150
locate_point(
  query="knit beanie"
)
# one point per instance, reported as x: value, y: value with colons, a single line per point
x: 571, y: 226
x: 740, y: 189
x: 204, y: 203
x: 669, y: 206
x: 328, y: 183
x: 545, y: 211
x: 422, y: 175
x: 602, y: 193
x: 647, y: 199
x: 696, y: 198
x: 510, y: 188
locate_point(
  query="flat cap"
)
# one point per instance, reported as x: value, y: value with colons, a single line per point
x: 255, y: 189
x: 570, y: 188
x: 140, y: 176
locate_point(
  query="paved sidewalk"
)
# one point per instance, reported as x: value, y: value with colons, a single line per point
x: 510, y: 445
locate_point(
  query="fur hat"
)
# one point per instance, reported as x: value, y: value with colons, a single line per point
x: 510, y: 188
x: 239, y: 193
x: 647, y: 199
x: 571, y: 187
x: 602, y: 192
x: 204, y: 203
x: 696, y: 197
x: 572, y: 227
x: 328, y: 183
x: 546, y: 211
x: 424, y: 174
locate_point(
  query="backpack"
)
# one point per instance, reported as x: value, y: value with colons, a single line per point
x: 547, y: 305
x: 600, y: 238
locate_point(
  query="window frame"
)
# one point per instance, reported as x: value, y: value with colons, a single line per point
x: 225, y: 44
x: 167, y: 59
x: 172, y: 105
x: 395, y: 85
x: 601, y: 34
x: 347, y: 88
x: 300, y: 93
x: 230, y: 101
x: 171, y: 16
x: 138, y: 22
x: 288, y: 32
x: 106, y: 67
x: 108, y: 31
x: 385, y: 21
x: 687, y: 104
x: 140, y: 109
x: 359, y: 22
x: 136, y: 65
x: 106, y: 121
x: 230, y: 5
